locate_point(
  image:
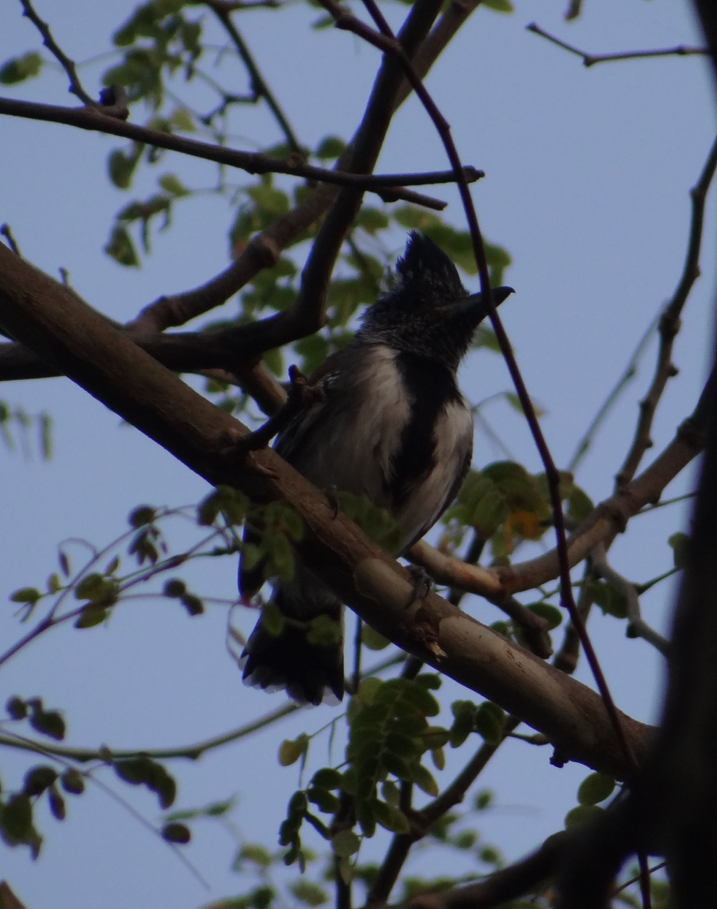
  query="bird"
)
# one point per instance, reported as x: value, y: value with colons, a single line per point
x: 389, y: 423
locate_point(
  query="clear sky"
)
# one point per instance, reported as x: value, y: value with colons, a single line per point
x: 588, y: 178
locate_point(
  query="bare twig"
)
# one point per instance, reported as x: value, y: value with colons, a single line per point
x: 62, y: 58
x: 251, y: 162
x: 636, y: 626
x: 670, y: 322
x: 629, y: 373
x: 258, y: 84
x: 681, y: 50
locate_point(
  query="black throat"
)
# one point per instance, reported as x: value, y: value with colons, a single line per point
x: 431, y: 387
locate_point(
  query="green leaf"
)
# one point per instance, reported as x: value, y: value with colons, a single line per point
x: 16, y: 707
x: 325, y: 800
x: 679, y: 543
x: 48, y: 722
x: 181, y: 120
x: 595, y: 788
x: 38, y: 779
x: 372, y: 639
x: 489, y: 722
x: 582, y: 814
x: 308, y: 892
x: 20, y: 68
x: 323, y: 631
x: 327, y: 778
x: 552, y: 615
x: 121, y: 248
x: 72, y: 781
x: 499, y: 6
x: 16, y: 818
x: 171, y: 184
x: 25, y: 595
x: 391, y: 818
x: 423, y: 778
x: 330, y: 147
x: 272, y: 619
x: 345, y: 843
x: 610, y: 600
x: 176, y: 833
x: 291, y: 750
x: 91, y: 616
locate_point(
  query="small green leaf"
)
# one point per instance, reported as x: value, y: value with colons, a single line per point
x: 91, y: 616
x: 48, y: 722
x: 595, y: 788
x: 552, y: 615
x: 25, y: 595
x: 121, y: 248
x: 372, y: 639
x: 38, y: 779
x: 16, y: 707
x: 272, y: 619
x: 679, y: 543
x: 291, y: 750
x: 330, y: 147
x: 391, y: 818
x: 489, y: 722
x: 499, y: 6
x: 581, y: 814
x: 72, y: 781
x: 20, y: 68
x: 171, y: 184
x: 176, y: 833
x: 424, y: 780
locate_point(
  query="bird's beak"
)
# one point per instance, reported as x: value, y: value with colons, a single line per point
x: 476, y: 304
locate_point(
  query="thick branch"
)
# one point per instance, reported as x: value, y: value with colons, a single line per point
x: 48, y: 317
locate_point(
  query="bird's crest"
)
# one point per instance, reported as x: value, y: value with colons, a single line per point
x: 426, y: 263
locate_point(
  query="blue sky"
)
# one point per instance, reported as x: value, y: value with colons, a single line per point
x: 588, y: 178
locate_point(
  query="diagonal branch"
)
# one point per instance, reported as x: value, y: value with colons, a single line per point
x: 52, y: 320
x: 57, y: 52
x: 258, y: 82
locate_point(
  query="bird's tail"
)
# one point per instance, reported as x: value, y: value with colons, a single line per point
x: 302, y: 650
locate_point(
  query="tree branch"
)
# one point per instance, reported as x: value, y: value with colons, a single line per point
x: 608, y: 519
x: 62, y: 58
x: 591, y: 59
x: 52, y: 320
x: 95, y: 119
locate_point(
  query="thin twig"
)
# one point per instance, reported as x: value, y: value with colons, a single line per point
x: 257, y: 81
x: 670, y: 323
x: 64, y: 61
x: 636, y: 626
x: 681, y: 50
x: 251, y: 162
x: 629, y: 373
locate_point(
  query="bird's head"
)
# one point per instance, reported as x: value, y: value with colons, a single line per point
x: 428, y: 311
